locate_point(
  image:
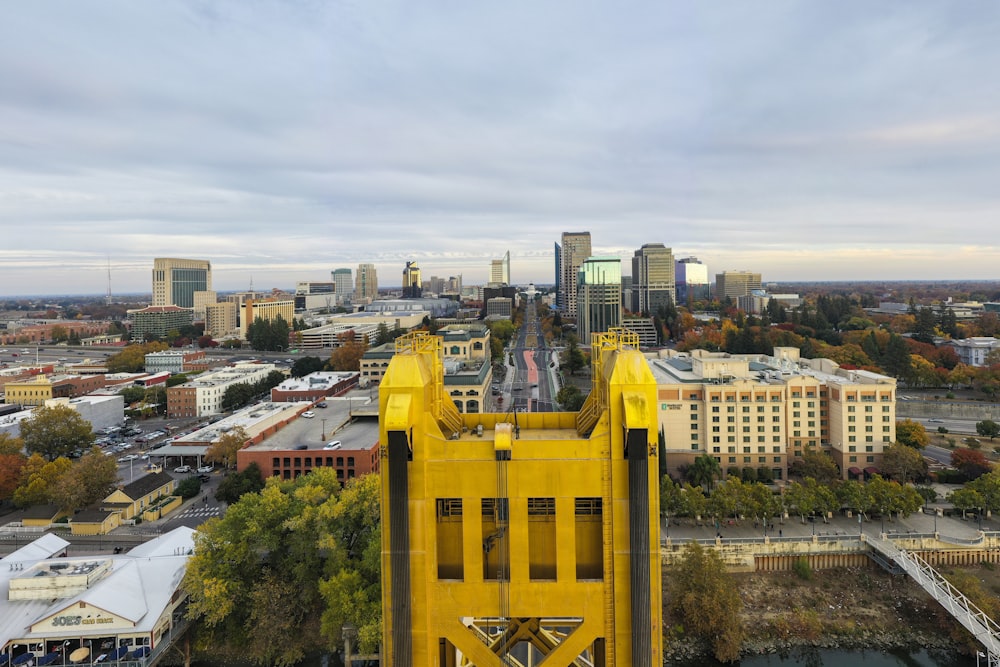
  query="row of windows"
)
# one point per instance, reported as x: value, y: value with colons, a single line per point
x: 287, y: 461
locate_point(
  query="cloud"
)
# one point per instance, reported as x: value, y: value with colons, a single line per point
x: 283, y: 139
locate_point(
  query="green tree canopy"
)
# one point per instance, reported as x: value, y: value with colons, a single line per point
x: 89, y: 480
x: 278, y: 575
x: 912, y: 434
x: 988, y: 429
x: 56, y: 431
x: 816, y: 464
x: 704, y: 599
x: 303, y: 366
x: 223, y: 451
x: 903, y: 464
x: 38, y: 479
x: 572, y: 357
x: 132, y: 359
x: 570, y: 398
x: 235, y: 486
x: 704, y: 471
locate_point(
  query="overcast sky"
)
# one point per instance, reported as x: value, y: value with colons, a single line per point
x: 282, y: 139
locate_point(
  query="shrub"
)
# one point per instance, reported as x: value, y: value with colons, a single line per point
x: 802, y: 569
x: 950, y: 394
x: 942, y: 429
x: 189, y: 488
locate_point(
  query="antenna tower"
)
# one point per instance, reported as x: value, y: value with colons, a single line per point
x: 107, y: 297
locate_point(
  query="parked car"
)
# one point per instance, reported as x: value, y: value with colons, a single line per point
x: 333, y: 444
x: 206, y: 468
x: 127, y: 458
x: 321, y: 404
x: 205, y: 479
x: 182, y: 469
x: 308, y: 414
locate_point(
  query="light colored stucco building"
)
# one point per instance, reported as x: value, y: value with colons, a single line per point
x: 734, y: 284
x: 758, y: 411
x: 203, y: 395
x: 973, y: 351
x: 266, y: 309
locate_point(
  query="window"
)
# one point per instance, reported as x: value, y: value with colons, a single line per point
x: 715, y: 420
x: 716, y: 438
x: 350, y: 461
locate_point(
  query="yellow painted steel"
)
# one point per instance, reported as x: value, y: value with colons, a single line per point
x: 495, y: 492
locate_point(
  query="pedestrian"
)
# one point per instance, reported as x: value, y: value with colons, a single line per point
x: 205, y: 499
x: 779, y: 533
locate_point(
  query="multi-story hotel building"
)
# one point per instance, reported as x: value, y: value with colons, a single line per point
x: 757, y: 411
x: 203, y: 396
x: 176, y: 280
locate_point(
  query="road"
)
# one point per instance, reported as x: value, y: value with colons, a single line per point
x: 953, y: 425
x: 529, y: 384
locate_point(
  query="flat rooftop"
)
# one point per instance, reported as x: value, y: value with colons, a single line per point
x: 334, y: 422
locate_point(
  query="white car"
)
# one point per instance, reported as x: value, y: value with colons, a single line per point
x: 333, y: 444
x: 308, y: 414
x: 182, y: 469
x: 127, y: 458
x: 206, y: 468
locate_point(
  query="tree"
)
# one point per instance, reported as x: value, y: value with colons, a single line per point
x: 912, y: 434
x: 903, y: 464
x: 56, y: 431
x: 10, y: 444
x: 988, y: 429
x: 704, y: 471
x: 38, y: 478
x: 970, y: 463
x: 570, y: 398
x: 303, y: 366
x: 278, y: 575
x: 706, y: 601
x: 896, y: 359
x: 816, y: 464
x: 11, y: 465
x: 91, y: 479
x: 223, y: 451
x: 235, y: 486
x: 572, y: 357
x: 132, y: 359
x: 347, y: 356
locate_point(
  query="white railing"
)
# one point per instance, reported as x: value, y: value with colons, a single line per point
x: 983, y: 628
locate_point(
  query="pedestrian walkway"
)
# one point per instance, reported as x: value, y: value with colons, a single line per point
x: 681, y: 529
x: 197, y: 512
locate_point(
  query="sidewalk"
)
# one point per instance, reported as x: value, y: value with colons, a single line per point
x: 793, y: 526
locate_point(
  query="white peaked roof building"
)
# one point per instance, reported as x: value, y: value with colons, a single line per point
x: 121, y: 606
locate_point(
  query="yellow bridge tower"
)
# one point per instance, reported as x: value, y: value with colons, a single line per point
x: 513, y: 539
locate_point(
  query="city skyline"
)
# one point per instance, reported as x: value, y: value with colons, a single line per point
x: 282, y: 140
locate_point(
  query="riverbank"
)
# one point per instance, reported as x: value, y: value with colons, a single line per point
x: 850, y: 608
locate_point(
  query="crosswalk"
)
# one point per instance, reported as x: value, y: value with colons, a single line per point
x: 198, y: 513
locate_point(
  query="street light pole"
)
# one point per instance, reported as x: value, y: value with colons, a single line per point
x: 323, y: 434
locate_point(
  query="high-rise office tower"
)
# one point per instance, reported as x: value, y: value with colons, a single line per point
x: 652, y: 279
x: 176, y: 280
x: 412, y: 288
x: 691, y: 277
x: 343, y: 284
x: 734, y: 284
x: 575, y: 248
x: 599, y: 296
x: 366, y: 283
x: 500, y: 271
